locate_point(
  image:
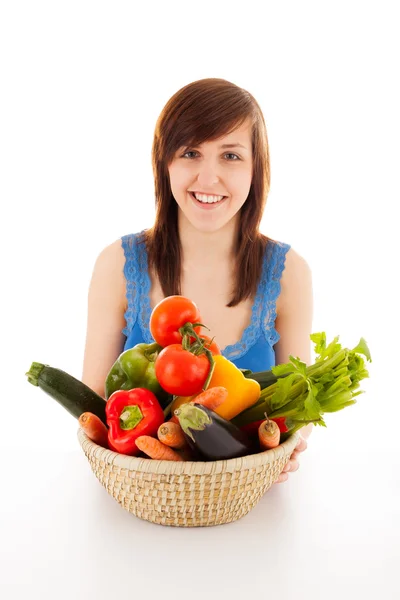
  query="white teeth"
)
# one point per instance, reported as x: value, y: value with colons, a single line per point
x: 207, y: 199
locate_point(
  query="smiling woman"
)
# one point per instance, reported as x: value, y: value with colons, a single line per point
x: 192, y: 152
x: 192, y: 179
x: 211, y: 169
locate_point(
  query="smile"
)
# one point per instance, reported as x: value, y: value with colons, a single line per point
x: 206, y: 198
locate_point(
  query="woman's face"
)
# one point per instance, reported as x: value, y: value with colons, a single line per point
x: 213, y: 170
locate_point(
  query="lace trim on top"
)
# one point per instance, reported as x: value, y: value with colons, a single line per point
x: 264, y: 305
x: 144, y: 292
x: 276, y: 259
x: 137, y: 285
x: 263, y: 312
x: 131, y: 274
x: 253, y: 330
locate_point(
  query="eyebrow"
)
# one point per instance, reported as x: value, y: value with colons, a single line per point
x: 233, y: 146
x: 236, y: 145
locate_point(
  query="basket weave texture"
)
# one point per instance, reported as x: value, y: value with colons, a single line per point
x: 187, y: 494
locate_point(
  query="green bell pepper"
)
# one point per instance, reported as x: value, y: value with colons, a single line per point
x: 134, y: 368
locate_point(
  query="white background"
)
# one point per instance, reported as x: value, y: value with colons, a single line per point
x: 82, y: 84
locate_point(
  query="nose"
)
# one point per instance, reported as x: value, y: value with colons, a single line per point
x: 207, y: 175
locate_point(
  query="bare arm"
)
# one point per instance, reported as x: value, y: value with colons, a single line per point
x: 295, y: 314
x: 106, y: 308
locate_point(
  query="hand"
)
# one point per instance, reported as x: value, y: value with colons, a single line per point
x: 293, y: 463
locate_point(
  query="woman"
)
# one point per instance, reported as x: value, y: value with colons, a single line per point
x: 212, y: 174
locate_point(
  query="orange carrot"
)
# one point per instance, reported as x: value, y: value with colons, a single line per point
x: 171, y: 435
x: 212, y: 397
x: 268, y: 434
x: 94, y: 428
x: 156, y: 449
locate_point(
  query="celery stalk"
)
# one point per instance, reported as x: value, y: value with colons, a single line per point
x: 303, y: 393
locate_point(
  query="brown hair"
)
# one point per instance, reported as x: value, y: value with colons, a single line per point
x: 206, y: 110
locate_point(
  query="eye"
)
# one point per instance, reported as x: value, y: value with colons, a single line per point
x: 227, y: 154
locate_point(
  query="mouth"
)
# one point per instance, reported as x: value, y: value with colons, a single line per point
x: 207, y: 203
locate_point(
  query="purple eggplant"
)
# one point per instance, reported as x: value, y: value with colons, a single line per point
x: 210, y: 436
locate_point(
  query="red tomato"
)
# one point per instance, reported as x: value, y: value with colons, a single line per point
x: 169, y: 315
x: 180, y: 372
x: 213, y: 347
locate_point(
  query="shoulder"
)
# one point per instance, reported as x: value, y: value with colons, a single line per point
x: 295, y: 264
x: 114, y: 256
x: 296, y: 280
x: 108, y: 273
x: 110, y: 258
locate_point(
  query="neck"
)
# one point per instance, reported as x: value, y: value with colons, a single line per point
x: 199, y: 248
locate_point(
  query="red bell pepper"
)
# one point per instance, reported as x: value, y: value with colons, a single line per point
x: 131, y: 413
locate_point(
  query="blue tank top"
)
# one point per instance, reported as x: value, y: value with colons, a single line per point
x: 254, y: 351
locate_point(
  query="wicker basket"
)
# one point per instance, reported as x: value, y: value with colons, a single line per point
x: 187, y: 494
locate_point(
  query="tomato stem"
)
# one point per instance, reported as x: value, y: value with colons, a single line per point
x: 198, y: 346
x: 212, y: 367
x: 187, y: 332
x: 188, y: 329
x: 198, y: 325
x: 186, y: 341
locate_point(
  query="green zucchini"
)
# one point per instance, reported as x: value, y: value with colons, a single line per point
x: 75, y: 396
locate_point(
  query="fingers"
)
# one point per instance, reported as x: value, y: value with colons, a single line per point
x: 293, y: 463
x: 301, y: 445
x: 291, y: 466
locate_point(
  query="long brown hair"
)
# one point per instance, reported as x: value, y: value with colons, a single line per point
x: 206, y: 110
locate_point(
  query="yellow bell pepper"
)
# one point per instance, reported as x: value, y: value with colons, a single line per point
x: 242, y: 392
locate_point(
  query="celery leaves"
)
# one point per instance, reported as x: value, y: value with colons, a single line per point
x: 304, y: 393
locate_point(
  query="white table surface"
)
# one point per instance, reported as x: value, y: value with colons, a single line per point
x: 331, y: 531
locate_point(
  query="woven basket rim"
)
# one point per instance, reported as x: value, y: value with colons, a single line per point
x: 149, y: 465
